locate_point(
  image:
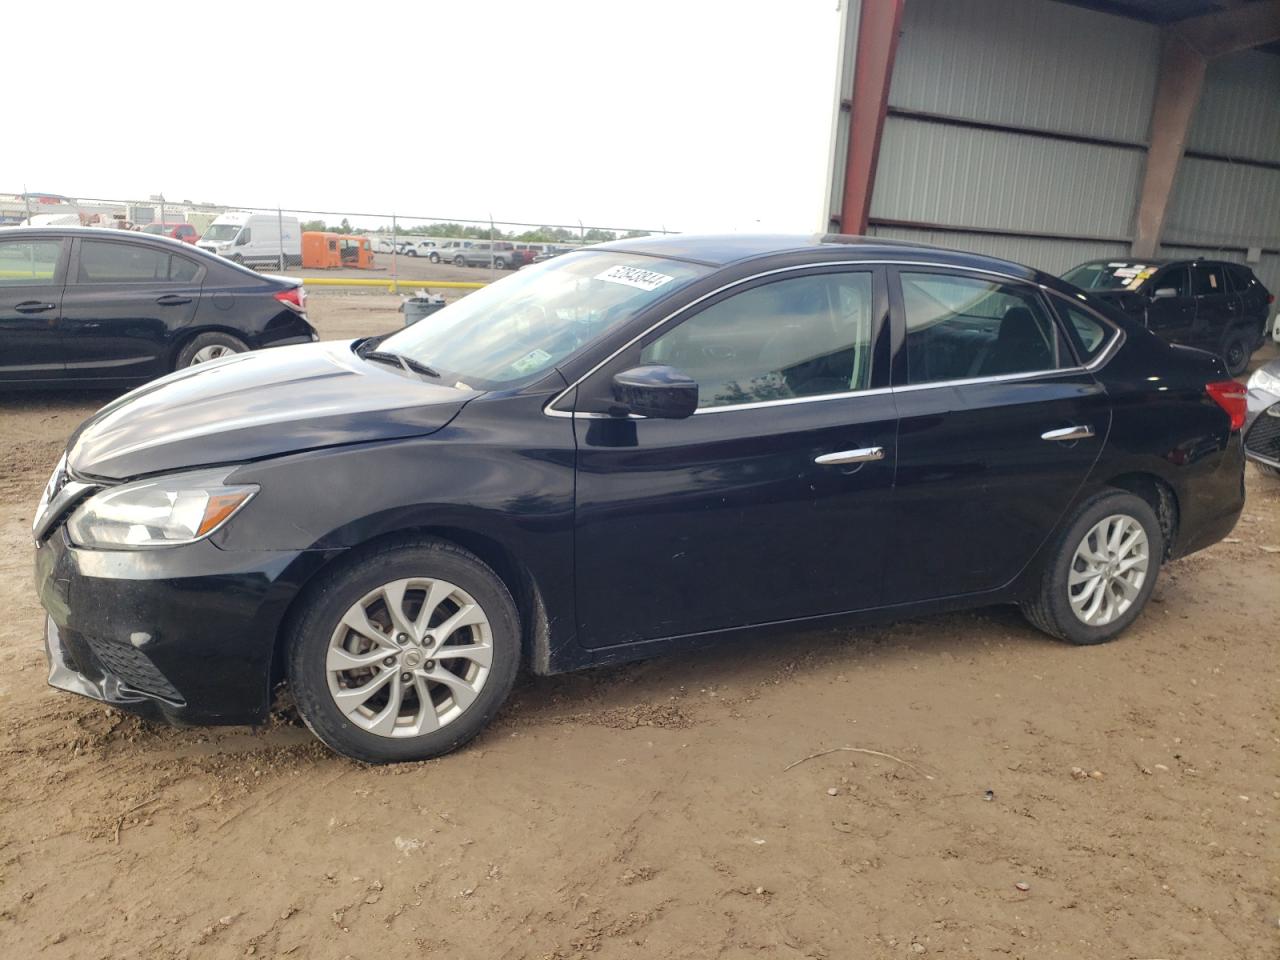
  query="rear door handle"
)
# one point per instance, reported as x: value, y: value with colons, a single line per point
x: 172, y: 300
x: 1065, y: 434
x: 33, y: 306
x: 861, y: 455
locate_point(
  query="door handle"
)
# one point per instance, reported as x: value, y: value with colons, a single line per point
x: 861, y: 455
x: 172, y: 300
x: 1064, y: 434
x: 33, y: 306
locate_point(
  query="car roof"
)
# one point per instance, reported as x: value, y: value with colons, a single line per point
x: 720, y: 250
x: 7, y: 233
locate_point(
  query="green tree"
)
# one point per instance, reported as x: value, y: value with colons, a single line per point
x: 314, y: 225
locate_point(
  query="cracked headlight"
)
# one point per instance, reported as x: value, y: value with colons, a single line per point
x: 163, y: 512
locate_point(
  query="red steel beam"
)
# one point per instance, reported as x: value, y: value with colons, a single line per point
x: 878, y: 28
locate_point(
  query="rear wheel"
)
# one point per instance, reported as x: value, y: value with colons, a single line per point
x: 1102, y: 570
x: 406, y: 654
x: 459, y: 261
x: 1236, y: 353
x: 434, y: 258
x: 208, y: 346
x: 411, y: 253
x: 500, y: 264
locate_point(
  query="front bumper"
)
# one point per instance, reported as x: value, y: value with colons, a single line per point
x: 186, y: 634
x: 1262, y: 428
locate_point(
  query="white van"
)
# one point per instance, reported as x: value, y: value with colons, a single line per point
x: 255, y: 239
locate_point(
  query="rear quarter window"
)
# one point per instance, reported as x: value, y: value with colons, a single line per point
x: 1087, y: 333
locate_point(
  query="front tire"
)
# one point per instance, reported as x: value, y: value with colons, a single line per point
x: 405, y: 654
x: 1236, y: 353
x: 434, y: 258
x: 1101, y: 572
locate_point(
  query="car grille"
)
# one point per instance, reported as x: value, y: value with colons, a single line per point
x: 1263, y: 438
x: 131, y: 666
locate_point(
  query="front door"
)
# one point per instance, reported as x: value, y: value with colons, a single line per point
x: 772, y: 502
x: 998, y: 429
x: 32, y: 273
x: 123, y: 306
x: 1171, y: 318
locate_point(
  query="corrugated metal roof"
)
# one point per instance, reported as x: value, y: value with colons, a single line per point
x: 1239, y: 110
x: 1051, y: 256
x: 960, y: 176
x: 1028, y: 62
x: 1215, y: 202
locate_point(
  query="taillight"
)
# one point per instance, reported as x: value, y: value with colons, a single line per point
x: 295, y: 297
x: 1232, y: 397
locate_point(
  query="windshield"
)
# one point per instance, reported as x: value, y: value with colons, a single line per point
x: 521, y: 326
x: 155, y: 228
x: 221, y: 231
x: 1115, y: 275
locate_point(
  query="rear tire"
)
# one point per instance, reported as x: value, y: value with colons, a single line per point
x: 1236, y: 353
x: 500, y: 264
x: 434, y: 258
x: 429, y: 717
x: 1067, y: 582
x: 459, y: 261
x: 208, y: 346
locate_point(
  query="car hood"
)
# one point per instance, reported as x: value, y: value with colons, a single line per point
x: 258, y: 405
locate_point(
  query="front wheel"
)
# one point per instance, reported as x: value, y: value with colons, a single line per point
x: 406, y: 654
x: 411, y: 253
x: 434, y: 258
x: 500, y: 264
x: 1101, y: 570
x: 1236, y: 353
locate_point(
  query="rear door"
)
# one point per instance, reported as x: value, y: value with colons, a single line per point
x: 1217, y: 307
x: 124, y: 304
x: 32, y: 274
x: 999, y: 426
x: 1172, y: 318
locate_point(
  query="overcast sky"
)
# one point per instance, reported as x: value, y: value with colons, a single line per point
x: 689, y: 114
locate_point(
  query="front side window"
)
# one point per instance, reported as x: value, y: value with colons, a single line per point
x: 25, y: 263
x: 801, y: 337
x: 1174, y: 278
x: 961, y: 328
x: 1207, y: 280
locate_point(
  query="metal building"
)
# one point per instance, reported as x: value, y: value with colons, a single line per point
x: 1052, y: 132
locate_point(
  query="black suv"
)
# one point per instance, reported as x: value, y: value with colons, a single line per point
x: 1221, y: 307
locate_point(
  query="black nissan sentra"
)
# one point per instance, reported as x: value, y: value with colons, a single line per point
x: 625, y: 451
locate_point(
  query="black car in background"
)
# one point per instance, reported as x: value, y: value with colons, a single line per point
x: 632, y: 449
x: 108, y: 308
x: 1215, y: 305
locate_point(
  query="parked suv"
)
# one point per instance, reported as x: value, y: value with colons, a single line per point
x: 501, y: 254
x: 450, y: 251
x: 1221, y: 307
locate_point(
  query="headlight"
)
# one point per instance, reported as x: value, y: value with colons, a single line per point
x: 1264, y: 381
x: 158, y: 513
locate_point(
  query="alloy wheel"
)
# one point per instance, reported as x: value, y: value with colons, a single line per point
x: 1108, y: 569
x: 214, y: 351
x: 409, y: 657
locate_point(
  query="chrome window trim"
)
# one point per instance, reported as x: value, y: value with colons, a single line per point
x: 1118, y: 336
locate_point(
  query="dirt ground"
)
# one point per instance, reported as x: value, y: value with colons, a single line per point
x: 658, y: 809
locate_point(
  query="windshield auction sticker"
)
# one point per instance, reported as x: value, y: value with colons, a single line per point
x: 635, y: 277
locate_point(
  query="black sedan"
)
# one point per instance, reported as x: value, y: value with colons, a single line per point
x: 110, y: 308
x: 629, y: 450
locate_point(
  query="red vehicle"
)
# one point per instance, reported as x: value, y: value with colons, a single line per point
x: 179, y: 231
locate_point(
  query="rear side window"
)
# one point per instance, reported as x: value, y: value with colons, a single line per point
x: 1207, y: 280
x: 1241, y: 278
x: 105, y: 261
x: 25, y: 263
x: 1087, y: 332
x: 803, y: 337
x: 959, y: 328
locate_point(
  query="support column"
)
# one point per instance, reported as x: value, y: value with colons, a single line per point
x: 1178, y: 88
x: 873, y: 70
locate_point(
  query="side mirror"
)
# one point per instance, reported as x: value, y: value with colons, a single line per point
x: 241, y: 240
x: 662, y: 393
x: 1164, y: 293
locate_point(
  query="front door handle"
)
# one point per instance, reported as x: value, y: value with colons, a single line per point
x: 172, y: 300
x: 33, y: 306
x: 861, y: 455
x: 1065, y: 434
